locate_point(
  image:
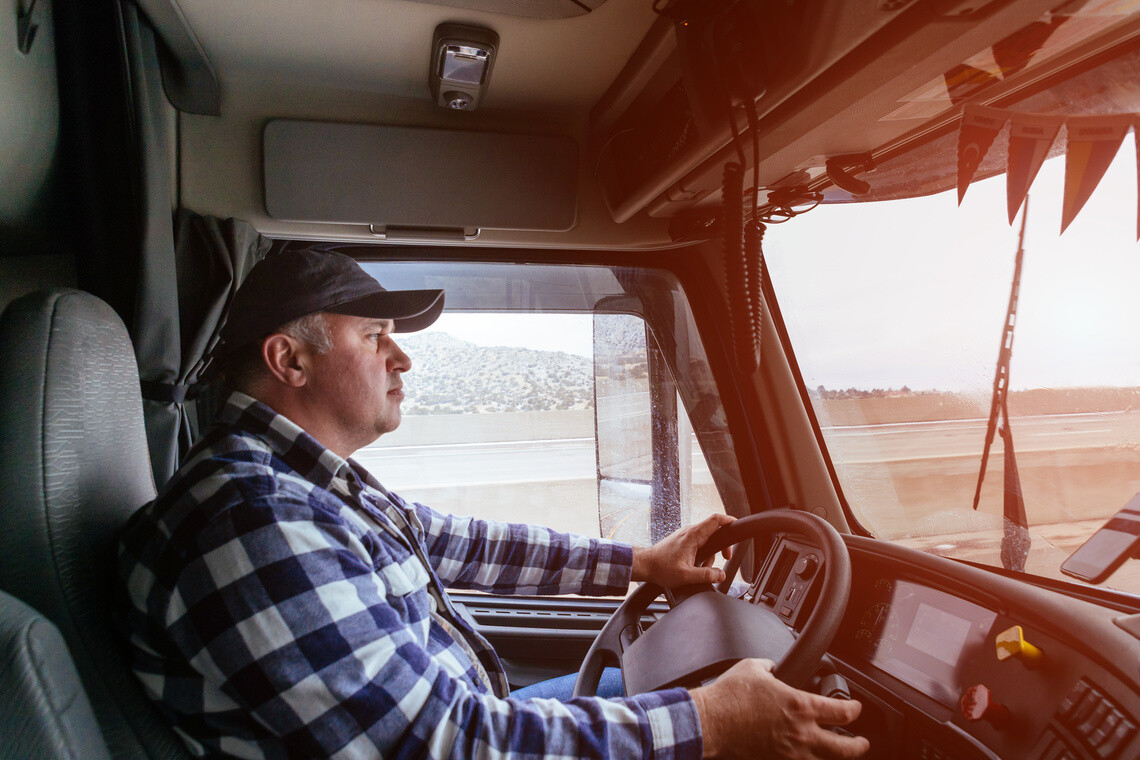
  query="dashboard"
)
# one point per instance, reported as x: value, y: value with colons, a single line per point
x: 953, y: 661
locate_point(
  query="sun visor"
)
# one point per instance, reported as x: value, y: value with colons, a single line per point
x: 423, y: 178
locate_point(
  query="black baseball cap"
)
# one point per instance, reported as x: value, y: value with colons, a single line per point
x: 291, y: 284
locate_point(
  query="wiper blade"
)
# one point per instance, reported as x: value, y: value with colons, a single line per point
x: 1015, y: 540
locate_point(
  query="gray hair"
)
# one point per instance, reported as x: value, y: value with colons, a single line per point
x: 245, y: 370
x: 312, y: 330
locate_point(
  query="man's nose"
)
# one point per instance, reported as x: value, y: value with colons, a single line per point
x: 398, y: 361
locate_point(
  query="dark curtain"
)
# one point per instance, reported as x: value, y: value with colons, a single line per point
x: 189, y: 268
x: 154, y: 327
x: 99, y: 148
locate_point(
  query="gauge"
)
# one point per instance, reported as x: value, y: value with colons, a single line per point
x: 870, y: 630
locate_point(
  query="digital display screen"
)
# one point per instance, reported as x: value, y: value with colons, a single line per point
x: 921, y: 636
x: 938, y: 633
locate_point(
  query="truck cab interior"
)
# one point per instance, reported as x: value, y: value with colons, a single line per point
x: 737, y: 256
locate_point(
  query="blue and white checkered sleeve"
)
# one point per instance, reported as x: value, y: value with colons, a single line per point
x: 286, y: 614
x: 511, y: 558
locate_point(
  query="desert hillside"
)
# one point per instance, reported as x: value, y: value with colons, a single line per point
x: 454, y: 376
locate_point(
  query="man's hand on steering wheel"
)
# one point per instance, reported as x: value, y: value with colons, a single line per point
x: 755, y: 705
x: 672, y: 561
x: 748, y: 713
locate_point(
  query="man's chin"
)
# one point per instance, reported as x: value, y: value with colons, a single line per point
x: 391, y: 422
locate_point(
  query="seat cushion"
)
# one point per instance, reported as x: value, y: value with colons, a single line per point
x: 44, y: 712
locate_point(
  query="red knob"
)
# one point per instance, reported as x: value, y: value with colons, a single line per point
x: 979, y: 704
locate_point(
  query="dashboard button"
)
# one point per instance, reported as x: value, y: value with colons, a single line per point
x: 1095, y: 719
x: 1107, y: 726
x: 1075, y: 696
x: 1085, y: 707
x: 1121, y: 735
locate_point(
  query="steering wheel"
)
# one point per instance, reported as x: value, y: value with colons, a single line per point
x: 707, y: 632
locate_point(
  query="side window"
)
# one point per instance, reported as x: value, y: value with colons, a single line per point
x: 571, y: 421
x: 652, y: 475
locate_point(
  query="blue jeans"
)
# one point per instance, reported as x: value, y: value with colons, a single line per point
x: 609, y: 685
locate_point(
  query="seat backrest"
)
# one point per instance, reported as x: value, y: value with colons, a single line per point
x: 73, y: 468
x: 44, y: 712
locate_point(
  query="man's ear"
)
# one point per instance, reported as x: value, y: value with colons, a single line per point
x: 283, y: 357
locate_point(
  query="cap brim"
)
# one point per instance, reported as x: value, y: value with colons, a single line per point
x: 411, y: 310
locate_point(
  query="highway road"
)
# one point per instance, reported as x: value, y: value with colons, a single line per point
x: 867, y: 444
x: 556, y: 459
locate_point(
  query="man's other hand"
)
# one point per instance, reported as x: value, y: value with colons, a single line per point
x: 672, y: 561
x: 749, y: 713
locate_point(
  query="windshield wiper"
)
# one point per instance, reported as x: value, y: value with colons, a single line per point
x: 1015, y: 541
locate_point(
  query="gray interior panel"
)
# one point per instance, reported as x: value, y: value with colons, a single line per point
x: 407, y: 177
x: 29, y: 109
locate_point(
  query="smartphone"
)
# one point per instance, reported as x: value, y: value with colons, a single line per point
x: 1108, y: 548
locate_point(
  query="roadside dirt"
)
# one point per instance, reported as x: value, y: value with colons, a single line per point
x: 932, y: 406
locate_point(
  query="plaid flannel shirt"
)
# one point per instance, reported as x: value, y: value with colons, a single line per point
x: 280, y: 603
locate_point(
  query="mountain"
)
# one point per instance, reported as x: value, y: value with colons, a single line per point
x: 453, y: 376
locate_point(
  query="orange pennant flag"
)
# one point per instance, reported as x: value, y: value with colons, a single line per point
x: 1030, y: 137
x: 1092, y: 144
x: 980, y: 125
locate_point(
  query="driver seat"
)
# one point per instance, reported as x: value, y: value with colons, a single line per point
x: 73, y: 467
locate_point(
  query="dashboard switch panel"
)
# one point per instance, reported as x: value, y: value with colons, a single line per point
x: 787, y: 578
x: 1099, y: 725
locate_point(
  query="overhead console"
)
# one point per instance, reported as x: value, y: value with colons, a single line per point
x: 824, y: 80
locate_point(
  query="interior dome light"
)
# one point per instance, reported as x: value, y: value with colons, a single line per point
x: 462, y: 57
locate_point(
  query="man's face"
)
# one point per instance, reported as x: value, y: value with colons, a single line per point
x: 358, y: 382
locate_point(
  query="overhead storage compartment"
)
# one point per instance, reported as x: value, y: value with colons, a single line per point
x: 662, y: 132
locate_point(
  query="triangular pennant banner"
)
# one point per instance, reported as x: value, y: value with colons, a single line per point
x: 1030, y: 137
x: 980, y: 125
x: 1093, y: 142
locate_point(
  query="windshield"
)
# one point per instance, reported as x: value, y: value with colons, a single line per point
x: 897, y: 310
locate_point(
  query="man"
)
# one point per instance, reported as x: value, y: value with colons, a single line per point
x: 280, y: 602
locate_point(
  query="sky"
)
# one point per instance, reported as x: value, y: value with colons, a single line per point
x: 915, y: 292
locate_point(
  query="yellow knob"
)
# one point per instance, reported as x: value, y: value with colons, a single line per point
x: 1012, y: 643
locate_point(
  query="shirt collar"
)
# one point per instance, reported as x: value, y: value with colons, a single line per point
x: 300, y: 451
